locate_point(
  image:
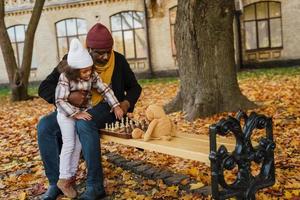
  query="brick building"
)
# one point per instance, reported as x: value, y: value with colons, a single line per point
x: 265, y: 32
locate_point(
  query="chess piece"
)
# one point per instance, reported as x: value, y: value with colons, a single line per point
x: 143, y: 125
x: 106, y: 126
x: 130, y: 129
x: 117, y: 125
x: 112, y: 127
x: 122, y: 125
x: 126, y: 129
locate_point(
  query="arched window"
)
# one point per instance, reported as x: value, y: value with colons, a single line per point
x: 68, y: 29
x: 17, y: 37
x: 128, y: 30
x: 263, y: 25
x: 172, y: 17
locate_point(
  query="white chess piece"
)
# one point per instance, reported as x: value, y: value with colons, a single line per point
x: 117, y: 125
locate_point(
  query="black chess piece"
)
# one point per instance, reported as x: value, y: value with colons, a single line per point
x: 130, y: 129
x: 143, y: 125
x: 138, y: 125
x: 126, y: 129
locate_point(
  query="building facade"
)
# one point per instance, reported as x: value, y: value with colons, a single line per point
x: 265, y: 32
x: 269, y: 33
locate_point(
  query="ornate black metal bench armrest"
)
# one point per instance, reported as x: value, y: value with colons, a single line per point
x: 245, y: 184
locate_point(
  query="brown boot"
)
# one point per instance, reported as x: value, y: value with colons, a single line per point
x: 73, y: 181
x: 65, y: 186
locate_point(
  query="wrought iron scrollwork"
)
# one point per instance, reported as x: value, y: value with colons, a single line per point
x: 245, y: 184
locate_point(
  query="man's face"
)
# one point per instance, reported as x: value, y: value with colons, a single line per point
x: 100, y: 56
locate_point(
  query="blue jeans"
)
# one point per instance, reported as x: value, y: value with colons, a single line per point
x: 50, y: 142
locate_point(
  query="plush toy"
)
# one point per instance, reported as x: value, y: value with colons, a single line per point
x: 160, y: 126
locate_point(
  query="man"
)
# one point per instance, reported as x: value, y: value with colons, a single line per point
x: 114, y: 71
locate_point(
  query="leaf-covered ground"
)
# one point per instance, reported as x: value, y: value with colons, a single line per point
x: 278, y: 94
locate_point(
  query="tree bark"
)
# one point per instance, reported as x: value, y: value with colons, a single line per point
x: 205, y: 53
x: 19, y: 77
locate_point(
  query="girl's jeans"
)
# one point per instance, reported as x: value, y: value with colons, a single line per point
x: 49, y: 141
x: 71, y: 148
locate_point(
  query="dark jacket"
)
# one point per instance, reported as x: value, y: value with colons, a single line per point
x: 124, y: 83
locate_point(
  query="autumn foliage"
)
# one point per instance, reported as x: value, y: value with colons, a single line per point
x: 21, y: 169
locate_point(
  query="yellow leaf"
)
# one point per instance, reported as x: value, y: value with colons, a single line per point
x: 195, y: 186
x: 193, y: 171
x: 172, y: 191
x: 22, y: 196
x: 296, y: 192
x: 288, y: 195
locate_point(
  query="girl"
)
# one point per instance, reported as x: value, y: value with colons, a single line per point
x: 78, y: 75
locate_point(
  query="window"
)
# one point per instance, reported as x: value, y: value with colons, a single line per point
x: 172, y: 16
x: 17, y: 37
x: 263, y: 26
x: 68, y: 29
x: 129, y: 34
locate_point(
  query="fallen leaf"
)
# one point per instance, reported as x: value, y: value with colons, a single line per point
x: 194, y: 186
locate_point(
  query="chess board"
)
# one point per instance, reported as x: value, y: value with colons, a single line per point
x: 123, y: 128
x: 120, y: 134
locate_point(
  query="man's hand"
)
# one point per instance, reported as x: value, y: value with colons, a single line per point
x: 78, y: 98
x: 125, y: 106
x: 118, y: 112
x: 83, y: 115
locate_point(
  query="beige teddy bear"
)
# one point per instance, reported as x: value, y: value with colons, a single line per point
x: 160, y: 127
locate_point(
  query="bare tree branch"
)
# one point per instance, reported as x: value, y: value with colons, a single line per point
x: 29, y: 40
x: 18, y: 77
x: 6, y: 47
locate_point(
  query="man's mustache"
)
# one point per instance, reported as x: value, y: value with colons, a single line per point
x: 101, y: 61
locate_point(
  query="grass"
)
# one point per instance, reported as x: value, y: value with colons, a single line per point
x: 269, y: 72
x: 157, y: 80
x: 250, y: 73
x: 5, y: 91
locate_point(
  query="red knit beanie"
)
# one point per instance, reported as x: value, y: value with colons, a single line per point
x: 99, y: 37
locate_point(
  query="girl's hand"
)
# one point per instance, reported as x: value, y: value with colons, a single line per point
x: 83, y: 115
x: 118, y: 112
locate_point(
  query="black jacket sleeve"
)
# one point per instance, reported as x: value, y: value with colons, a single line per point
x: 48, y: 86
x: 132, y: 88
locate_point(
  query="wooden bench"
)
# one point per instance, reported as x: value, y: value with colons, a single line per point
x: 188, y: 146
x: 238, y: 152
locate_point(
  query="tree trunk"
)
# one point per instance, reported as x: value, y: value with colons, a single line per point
x: 205, y: 52
x: 19, y: 77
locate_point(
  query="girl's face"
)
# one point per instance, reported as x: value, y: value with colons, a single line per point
x: 85, y: 73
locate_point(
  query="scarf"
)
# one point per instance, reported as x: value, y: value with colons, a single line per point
x: 105, y: 73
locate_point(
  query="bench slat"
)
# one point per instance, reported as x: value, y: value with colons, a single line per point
x: 188, y: 146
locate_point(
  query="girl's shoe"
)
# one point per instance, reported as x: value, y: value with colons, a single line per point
x: 73, y: 181
x: 65, y: 185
